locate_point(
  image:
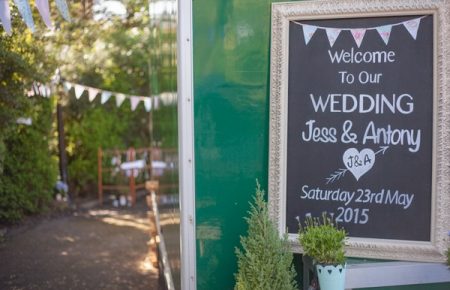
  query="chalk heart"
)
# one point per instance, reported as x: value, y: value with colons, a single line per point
x: 358, y: 163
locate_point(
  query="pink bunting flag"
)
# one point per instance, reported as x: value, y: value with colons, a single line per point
x: 24, y: 9
x: 44, y: 9
x: 79, y: 90
x: 148, y: 104
x: 105, y: 96
x: 134, y: 102
x: 5, y: 16
x: 358, y: 35
x: 92, y: 93
x: 119, y: 99
x: 63, y: 9
x: 30, y: 93
x: 332, y: 34
x: 308, y: 32
x: 385, y: 32
x: 412, y: 26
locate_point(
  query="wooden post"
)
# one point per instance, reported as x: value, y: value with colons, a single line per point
x: 100, y: 177
x: 62, y: 149
x: 132, y: 156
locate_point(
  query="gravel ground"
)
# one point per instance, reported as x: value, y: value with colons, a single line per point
x: 100, y: 248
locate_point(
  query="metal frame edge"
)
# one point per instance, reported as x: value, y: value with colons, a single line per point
x: 186, y: 146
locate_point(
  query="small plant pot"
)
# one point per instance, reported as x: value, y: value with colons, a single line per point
x: 331, y: 277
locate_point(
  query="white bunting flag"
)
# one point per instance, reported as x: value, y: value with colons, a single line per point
x: 358, y: 35
x: 36, y: 88
x: 63, y: 9
x: 119, y: 99
x: 385, y: 32
x: 67, y: 86
x: 79, y: 90
x: 48, y: 90
x: 412, y: 26
x: 24, y: 121
x: 156, y: 102
x: 45, y: 91
x: 105, y: 96
x: 332, y: 34
x: 44, y: 10
x: 148, y: 104
x: 134, y: 102
x: 24, y: 9
x: 42, y: 91
x: 5, y: 16
x: 92, y: 93
x: 308, y: 32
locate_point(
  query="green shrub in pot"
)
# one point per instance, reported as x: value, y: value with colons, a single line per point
x: 324, y: 242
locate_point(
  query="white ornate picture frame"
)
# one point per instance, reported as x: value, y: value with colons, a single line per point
x: 282, y: 15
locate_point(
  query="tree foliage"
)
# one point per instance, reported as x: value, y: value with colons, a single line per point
x: 265, y: 261
x: 27, y: 169
x: 111, y: 54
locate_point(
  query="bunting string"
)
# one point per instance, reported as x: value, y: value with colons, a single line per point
x: 412, y: 26
x: 149, y: 102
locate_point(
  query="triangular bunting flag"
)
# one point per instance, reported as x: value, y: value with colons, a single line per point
x: 63, y: 9
x: 358, y: 35
x: 332, y: 34
x: 36, y: 88
x: 42, y: 91
x: 5, y: 16
x: 24, y: 8
x: 30, y: 93
x: 148, y: 104
x: 119, y: 99
x: 45, y: 91
x: 134, y: 102
x: 44, y: 10
x: 49, y: 91
x: 79, y: 90
x: 92, y: 93
x: 67, y: 86
x: 412, y: 26
x: 385, y: 32
x: 308, y: 32
x: 105, y: 96
x: 156, y: 102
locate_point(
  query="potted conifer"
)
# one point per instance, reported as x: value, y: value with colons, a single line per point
x: 324, y: 242
x: 264, y: 259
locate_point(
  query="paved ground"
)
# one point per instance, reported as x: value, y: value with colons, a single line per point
x: 100, y: 248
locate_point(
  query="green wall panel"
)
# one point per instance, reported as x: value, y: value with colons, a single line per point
x: 231, y: 110
x: 231, y: 89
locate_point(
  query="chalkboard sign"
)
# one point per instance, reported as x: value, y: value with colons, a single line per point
x: 360, y: 125
x: 354, y: 107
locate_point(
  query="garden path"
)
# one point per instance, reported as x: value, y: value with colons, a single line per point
x: 98, y: 248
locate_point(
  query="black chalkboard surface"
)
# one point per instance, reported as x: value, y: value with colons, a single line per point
x: 360, y: 125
